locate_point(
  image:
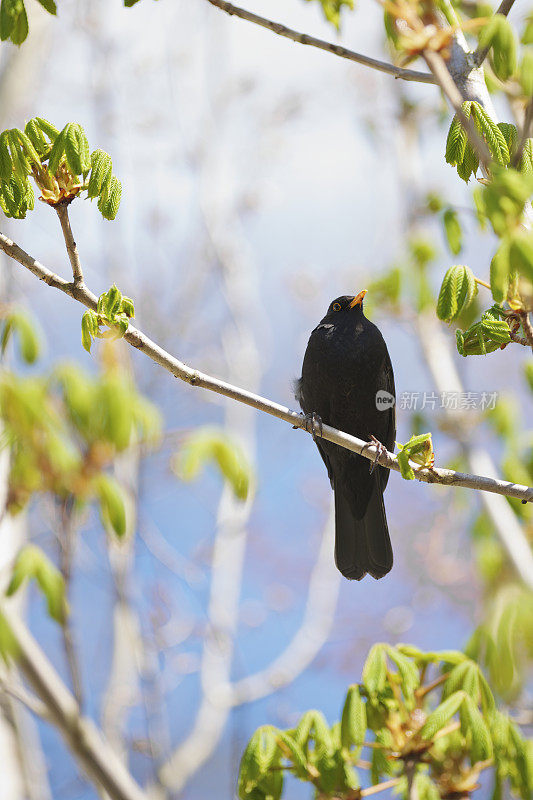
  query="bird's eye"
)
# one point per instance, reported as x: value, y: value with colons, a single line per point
x: 336, y: 306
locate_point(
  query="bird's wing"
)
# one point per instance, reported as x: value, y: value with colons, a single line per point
x: 390, y: 438
x: 298, y: 393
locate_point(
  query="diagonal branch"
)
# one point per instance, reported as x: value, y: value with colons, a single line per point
x: 83, y: 738
x: 141, y: 342
x: 321, y: 44
x: 481, y: 53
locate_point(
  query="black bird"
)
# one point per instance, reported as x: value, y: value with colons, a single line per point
x: 347, y: 381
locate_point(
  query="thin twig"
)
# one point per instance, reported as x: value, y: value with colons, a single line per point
x: 20, y: 693
x: 72, y: 250
x: 135, y: 337
x: 66, y: 551
x: 481, y: 53
x: 518, y: 339
x: 380, y: 787
x: 526, y: 327
x: 453, y: 726
x: 329, y: 47
x: 482, y: 283
x: 424, y: 690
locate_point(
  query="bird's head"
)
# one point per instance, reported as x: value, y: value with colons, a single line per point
x: 348, y: 304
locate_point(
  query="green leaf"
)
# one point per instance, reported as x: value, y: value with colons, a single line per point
x: 500, y: 268
x: 353, y: 721
x: 499, y: 35
x: 457, y: 138
x: 375, y: 670
x: 7, y: 19
x: 527, y: 35
x: 127, y: 307
x: 469, y: 165
x: 261, y: 753
x: 20, y: 29
x: 332, y: 10
x: 57, y: 153
x: 441, y: 715
x: 526, y: 160
x: 101, y: 173
x: 294, y: 752
x: 6, y: 159
x: 492, y: 134
x: 521, y: 253
x: 406, y: 469
x: 452, y: 228
x: 109, y: 201
x: 528, y: 370
x: 77, y: 150
x: 463, y: 676
x: 9, y: 647
x: 28, y: 339
x: 210, y: 444
x: 457, y: 291
x: 525, y: 73
x: 89, y: 329
x: 408, y: 672
x: 50, y: 130
x: 37, y: 137
x: 510, y: 134
x: 32, y: 564
x: 111, y: 503
x: 473, y: 724
x: 426, y: 788
x: 112, y: 301
x: 49, y: 5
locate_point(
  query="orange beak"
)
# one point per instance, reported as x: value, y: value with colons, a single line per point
x: 358, y: 299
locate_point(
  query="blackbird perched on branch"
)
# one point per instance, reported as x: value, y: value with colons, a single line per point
x: 347, y: 382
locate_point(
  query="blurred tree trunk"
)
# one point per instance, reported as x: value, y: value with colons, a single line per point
x: 23, y: 770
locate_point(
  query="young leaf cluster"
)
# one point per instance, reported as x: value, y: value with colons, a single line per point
x: 32, y: 563
x: 485, y: 336
x: 60, y: 163
x: 16, y: 324
x: 14, y: 19
x: 212, y: 445
x: 418, y: 449
x: 114, y: 311
x: 63, y: 432
x: 501, y: 139
x: 433, y: 710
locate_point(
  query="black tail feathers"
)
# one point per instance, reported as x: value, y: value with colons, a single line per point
x: 362, y: 545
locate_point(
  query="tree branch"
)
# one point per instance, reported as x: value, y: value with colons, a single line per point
x: 481, y: 53
x: 66, y: 554
x: 311, y: 635
x: 83, y: 738
x: 137, y: 339
x: 329, y: 47
x: 526, y: 327
x: 72, y: 250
